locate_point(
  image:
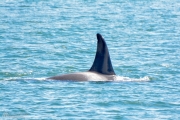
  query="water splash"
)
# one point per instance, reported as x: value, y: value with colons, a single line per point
x: 128, y: 79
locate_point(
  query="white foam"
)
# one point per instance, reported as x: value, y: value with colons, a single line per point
x: 121, y: 78
x: 19, y: 78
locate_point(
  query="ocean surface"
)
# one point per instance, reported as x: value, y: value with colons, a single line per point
x: 44, y: 38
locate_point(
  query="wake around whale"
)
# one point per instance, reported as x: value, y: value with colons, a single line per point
x: 101, y: 70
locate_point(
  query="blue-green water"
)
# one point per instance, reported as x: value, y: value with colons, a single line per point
x: 39, y: 39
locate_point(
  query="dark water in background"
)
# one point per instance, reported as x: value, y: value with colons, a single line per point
x: 39, y: 39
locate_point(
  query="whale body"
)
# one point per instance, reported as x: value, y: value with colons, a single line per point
x: 101, y: 69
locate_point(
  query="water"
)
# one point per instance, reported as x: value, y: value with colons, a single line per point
x: 39, y: 39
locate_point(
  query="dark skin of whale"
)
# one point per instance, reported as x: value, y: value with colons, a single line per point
x: 101, y: 69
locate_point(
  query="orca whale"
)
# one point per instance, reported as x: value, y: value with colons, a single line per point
x: 101, y: 70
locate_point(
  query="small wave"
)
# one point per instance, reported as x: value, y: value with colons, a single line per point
x: 11, y: 78
x: 127, y: 79
x: 40, y: 78
x: 18, y: 78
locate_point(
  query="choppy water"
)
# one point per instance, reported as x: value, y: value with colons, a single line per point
x: 39, y: 39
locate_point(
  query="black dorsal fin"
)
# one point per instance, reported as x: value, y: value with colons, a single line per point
x: 102, y: 62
